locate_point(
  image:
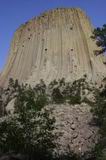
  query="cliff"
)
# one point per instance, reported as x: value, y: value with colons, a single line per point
x: 54, y: 45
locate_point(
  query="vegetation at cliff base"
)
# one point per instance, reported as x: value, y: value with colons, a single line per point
x: 29, y: 130
x: 99, y: 111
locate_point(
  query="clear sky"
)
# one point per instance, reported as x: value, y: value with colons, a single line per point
x: 15, y: 12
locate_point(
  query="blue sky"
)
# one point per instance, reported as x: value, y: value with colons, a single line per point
x: 15, y: 12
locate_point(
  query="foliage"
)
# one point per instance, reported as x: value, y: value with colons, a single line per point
x: 28, y: 99
x: 99, y: 112
x: 29, y: 133
x: 29, y: 129
x: 75, y: 93
x: 99, y: 34
x: 62, y: 92
x: 57, y: 96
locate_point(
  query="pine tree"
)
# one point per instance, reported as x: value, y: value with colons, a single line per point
x: 99, y: 34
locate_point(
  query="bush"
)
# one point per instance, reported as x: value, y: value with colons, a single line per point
x: 29, y: 129
x: 99, y: 111
x: 57, y: 96
x: 27, y: 133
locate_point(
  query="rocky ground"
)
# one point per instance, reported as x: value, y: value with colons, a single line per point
x: 74, y: 125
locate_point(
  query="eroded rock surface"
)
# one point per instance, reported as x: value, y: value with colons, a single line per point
x: 74, y: 125
x: 54, y: 45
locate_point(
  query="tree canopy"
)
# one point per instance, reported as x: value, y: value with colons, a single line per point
x: 99, y: 34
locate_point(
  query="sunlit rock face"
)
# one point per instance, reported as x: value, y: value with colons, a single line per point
x: 54, y: 45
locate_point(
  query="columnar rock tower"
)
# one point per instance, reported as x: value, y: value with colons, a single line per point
x: 54, y: 45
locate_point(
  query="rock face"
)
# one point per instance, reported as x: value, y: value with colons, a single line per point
x: 74, y: 125
x: 54, y: 45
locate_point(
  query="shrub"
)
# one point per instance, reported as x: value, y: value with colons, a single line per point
x: 99, y: 111
x: 57, y: 96
x: 29, y: 129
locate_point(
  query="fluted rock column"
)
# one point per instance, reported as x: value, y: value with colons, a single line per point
x: 54, y: 45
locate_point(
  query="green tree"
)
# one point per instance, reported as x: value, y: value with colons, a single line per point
x: 99, y: 34
x: 99, y: 111
x: 57, y: 96
x: 30, y: 129
x: 11, y: 83
x: 28, y: 133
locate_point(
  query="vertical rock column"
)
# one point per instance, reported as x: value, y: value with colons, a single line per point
x: 54, y: 45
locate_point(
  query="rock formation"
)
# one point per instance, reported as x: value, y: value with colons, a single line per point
x: 73, y: 124
x: 54, y: 45
x: 58, y: 45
